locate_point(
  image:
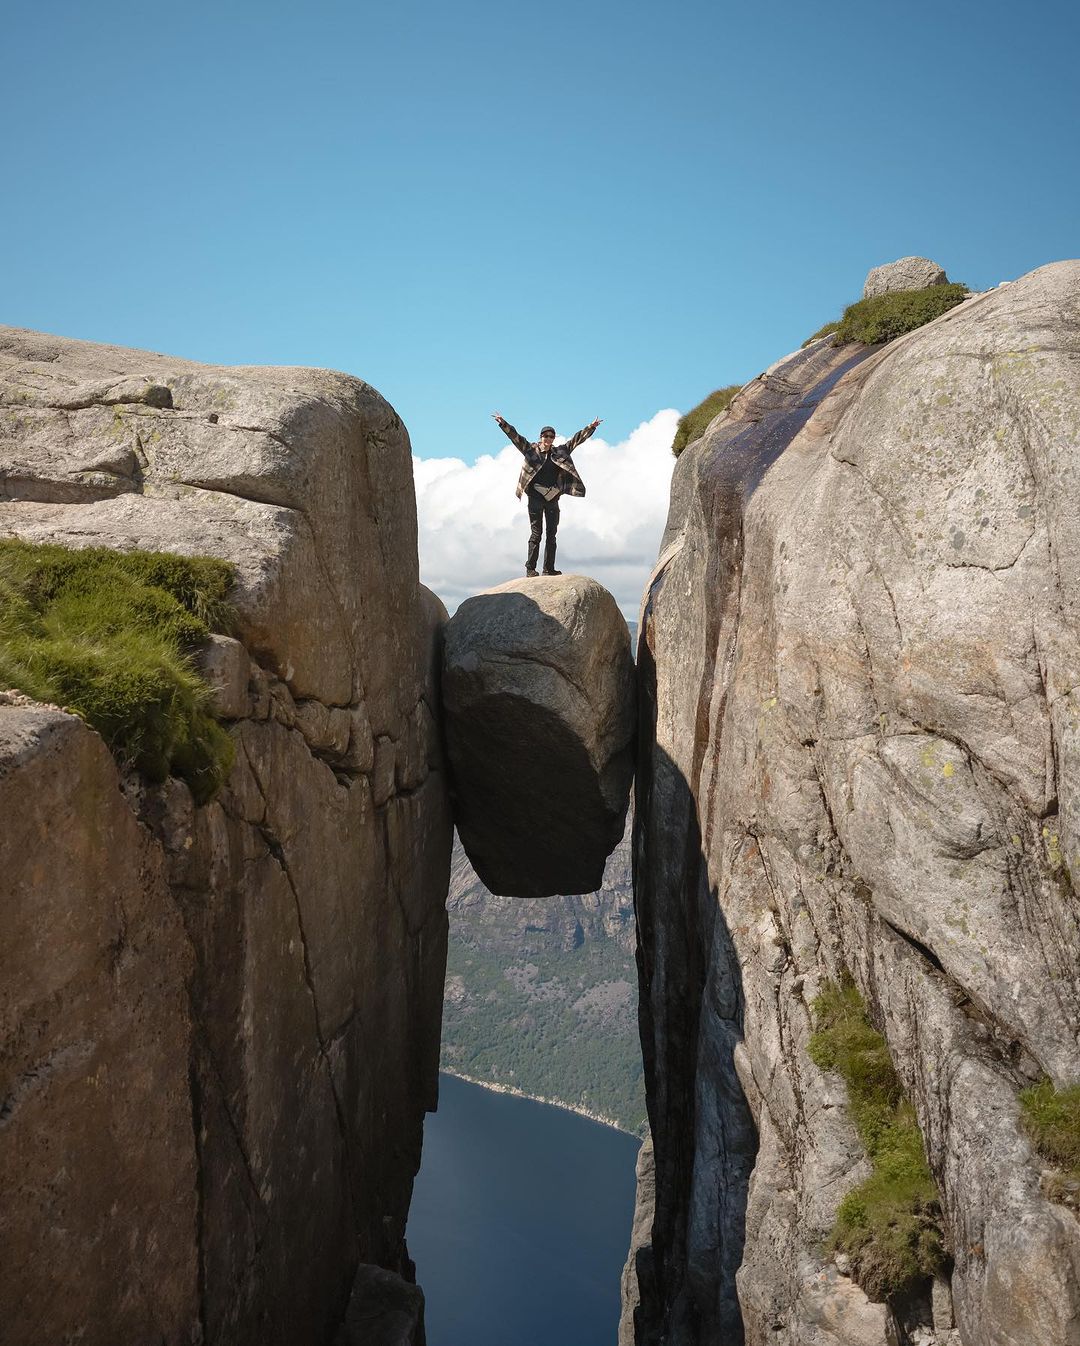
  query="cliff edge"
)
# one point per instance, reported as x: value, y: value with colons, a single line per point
x: 221, y: 1022
x: 858, y: 662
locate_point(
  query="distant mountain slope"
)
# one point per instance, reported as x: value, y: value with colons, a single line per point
x: 541, y: 995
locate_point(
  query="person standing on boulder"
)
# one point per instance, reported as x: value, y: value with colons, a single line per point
x: 547, y: 473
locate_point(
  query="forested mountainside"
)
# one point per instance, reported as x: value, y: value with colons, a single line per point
x: 541, y: 996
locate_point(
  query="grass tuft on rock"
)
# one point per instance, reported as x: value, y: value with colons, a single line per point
x: 890, y: 1225
x: 110, y: 635
x: 888, y: 316
x: 1051, y: 1118
x: 695, y: 423
x: 825, y: 331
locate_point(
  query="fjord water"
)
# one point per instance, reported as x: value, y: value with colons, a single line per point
x: 520, y: 1222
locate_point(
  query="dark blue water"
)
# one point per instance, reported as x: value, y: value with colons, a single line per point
x: 520, y: 1222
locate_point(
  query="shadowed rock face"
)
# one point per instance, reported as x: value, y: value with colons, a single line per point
x: 221, y: 1025
x: 858, y: 668
x: 538, y: 691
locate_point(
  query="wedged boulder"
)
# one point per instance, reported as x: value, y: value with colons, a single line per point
x: 97, y: 1145
x: 859, y: 663
x: 538, y: 695
x: 384, y: 1310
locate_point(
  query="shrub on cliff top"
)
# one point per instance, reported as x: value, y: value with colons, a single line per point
x: 889, y: 1225
x: 888, y: 316
x: 110, y: 635
x: 695, y: 422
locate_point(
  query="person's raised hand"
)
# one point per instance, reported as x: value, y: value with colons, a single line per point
x: 596, y: 422
x: 496, y: 416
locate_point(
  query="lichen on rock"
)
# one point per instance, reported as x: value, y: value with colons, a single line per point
x: 277, y: 954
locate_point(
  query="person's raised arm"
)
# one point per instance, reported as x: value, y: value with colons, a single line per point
x: 581, y: 436
x: 518, y: 440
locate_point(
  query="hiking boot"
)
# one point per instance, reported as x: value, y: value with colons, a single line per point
x: 551, y: 572
x: 530, y: 574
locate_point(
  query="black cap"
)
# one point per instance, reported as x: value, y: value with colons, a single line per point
x: 547, y: 430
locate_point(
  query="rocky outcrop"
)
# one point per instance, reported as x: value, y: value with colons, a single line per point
x: 97, y: 1151
x: 538, y: 692
x: 858, y: 663
x: 909, y: 273
x: 228, y: 1016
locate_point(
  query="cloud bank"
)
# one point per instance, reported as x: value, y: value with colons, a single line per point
x: 474, y: 531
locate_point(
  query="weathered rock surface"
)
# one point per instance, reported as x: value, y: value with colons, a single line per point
x: 559, y: 972
x: 254, y: 1016
x: 538, y: 693
x: 909, y: 273
x: 99, y: 1218
x: 859, y: 657
x: 384, y: 1311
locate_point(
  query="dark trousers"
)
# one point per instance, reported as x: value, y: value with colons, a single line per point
x: 542, y: 513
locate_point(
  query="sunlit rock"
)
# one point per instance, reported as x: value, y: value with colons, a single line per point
x: 538, y: 692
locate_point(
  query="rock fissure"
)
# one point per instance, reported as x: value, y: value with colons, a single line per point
x: 250, y: 1160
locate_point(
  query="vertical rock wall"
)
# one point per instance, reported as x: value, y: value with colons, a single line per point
x: 267, y: 970
x: 858, y: 658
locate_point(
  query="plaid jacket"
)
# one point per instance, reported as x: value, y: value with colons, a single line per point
x: 568, y: 480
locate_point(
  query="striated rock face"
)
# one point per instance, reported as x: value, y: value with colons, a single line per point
x: 248, y: 994
x: 909, y: 273
x: 859, y: 657
x: 538, y: 691
x: 97, y: 1151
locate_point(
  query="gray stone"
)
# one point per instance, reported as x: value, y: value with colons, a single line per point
x: 859, y: 656
x: 225, y: 665
x: 277, y: 957
x: 360, y: 755
x: 98, y: 1161
x: 313, y: 720
x: 384, y: 1310
x: 384, y: 772
x: 909, y: 273
x: 941, y: 1300
x: 538, y: 693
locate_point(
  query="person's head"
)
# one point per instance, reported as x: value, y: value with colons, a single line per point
x: 547, y: 437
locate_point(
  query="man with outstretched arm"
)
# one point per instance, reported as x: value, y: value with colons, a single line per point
x: 546, y: 474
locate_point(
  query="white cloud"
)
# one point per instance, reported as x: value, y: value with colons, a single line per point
x: 474, y: 531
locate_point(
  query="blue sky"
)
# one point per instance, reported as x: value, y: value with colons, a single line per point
x: 553, y: 211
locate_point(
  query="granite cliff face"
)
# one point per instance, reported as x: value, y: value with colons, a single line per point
x: 858, y: 758
x: 221, y: 1024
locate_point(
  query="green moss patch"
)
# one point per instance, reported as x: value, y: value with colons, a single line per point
x: 1051, y: 1118
x: 888, y: 316
x: 890, y: 1225
x: 110, y: 635
x: 694, y: 423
